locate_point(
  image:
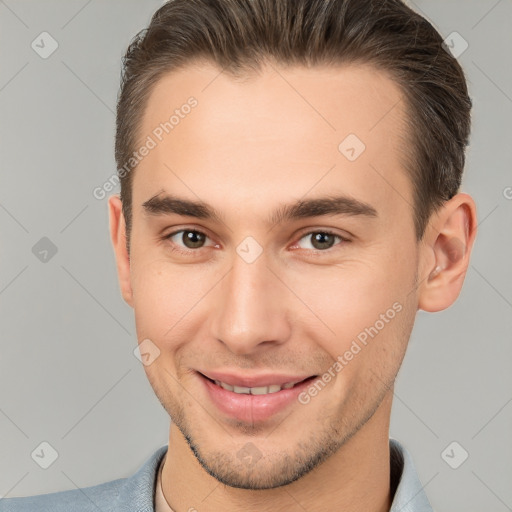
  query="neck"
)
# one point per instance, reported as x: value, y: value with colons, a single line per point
x: 354, y: 479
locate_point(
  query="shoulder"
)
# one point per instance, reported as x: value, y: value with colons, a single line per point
x: 135, y: 493
x: 88, y: 499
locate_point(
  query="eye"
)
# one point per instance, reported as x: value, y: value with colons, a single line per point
x: 320, y: 240
x: 187, y: 239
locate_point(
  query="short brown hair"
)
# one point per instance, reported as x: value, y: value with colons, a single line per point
x: 239, y: 35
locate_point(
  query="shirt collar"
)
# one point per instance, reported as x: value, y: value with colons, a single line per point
x: 409, y: 495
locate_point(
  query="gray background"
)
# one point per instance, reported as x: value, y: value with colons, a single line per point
x: 68, y: 375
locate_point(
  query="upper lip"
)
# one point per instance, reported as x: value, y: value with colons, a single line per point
x: 253, y: 381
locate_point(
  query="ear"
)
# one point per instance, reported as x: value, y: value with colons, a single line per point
x: 447, y: 246
x: 118, y: 237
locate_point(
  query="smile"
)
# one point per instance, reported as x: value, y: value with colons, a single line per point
x: 253, y: 399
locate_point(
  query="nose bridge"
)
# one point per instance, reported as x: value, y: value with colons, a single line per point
x: 251, y: 309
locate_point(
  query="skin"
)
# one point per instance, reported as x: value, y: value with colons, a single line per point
x: 249, y: 146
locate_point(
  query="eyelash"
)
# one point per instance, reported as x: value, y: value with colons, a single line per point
x: 181, y: 250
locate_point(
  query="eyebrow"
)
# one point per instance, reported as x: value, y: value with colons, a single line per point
x: 301, y: 209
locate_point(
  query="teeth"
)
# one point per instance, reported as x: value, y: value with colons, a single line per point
x: 261, y: 390
x: 225, y: 386
x: 240, y: 389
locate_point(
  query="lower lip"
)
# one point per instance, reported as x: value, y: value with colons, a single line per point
x: 252, y: 408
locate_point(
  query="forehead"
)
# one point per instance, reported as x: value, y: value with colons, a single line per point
x: 283, y: 132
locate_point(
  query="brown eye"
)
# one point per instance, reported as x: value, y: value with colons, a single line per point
x: 188, y: 238
x: 193, y: 239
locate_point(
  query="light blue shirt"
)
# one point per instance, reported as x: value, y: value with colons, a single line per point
x: 136, y: 493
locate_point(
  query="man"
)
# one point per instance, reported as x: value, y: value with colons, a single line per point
x: 289, y: 200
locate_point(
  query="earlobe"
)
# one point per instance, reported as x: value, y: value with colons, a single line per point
x: 118, y: 238
x: 449, y: 238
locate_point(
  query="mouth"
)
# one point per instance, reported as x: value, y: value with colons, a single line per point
x: 253, y: 403
x: 258, y: 390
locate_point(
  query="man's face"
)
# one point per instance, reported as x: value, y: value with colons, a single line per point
x: 258, y: 302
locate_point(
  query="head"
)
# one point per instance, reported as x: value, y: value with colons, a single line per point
x: 295, y: 205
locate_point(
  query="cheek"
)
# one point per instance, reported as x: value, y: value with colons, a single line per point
x: 372, y: 320
x: 165, y: 295
x: 362, y: 310
x: 350, y: 299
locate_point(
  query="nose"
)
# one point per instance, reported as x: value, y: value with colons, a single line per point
x: 250, y: 312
